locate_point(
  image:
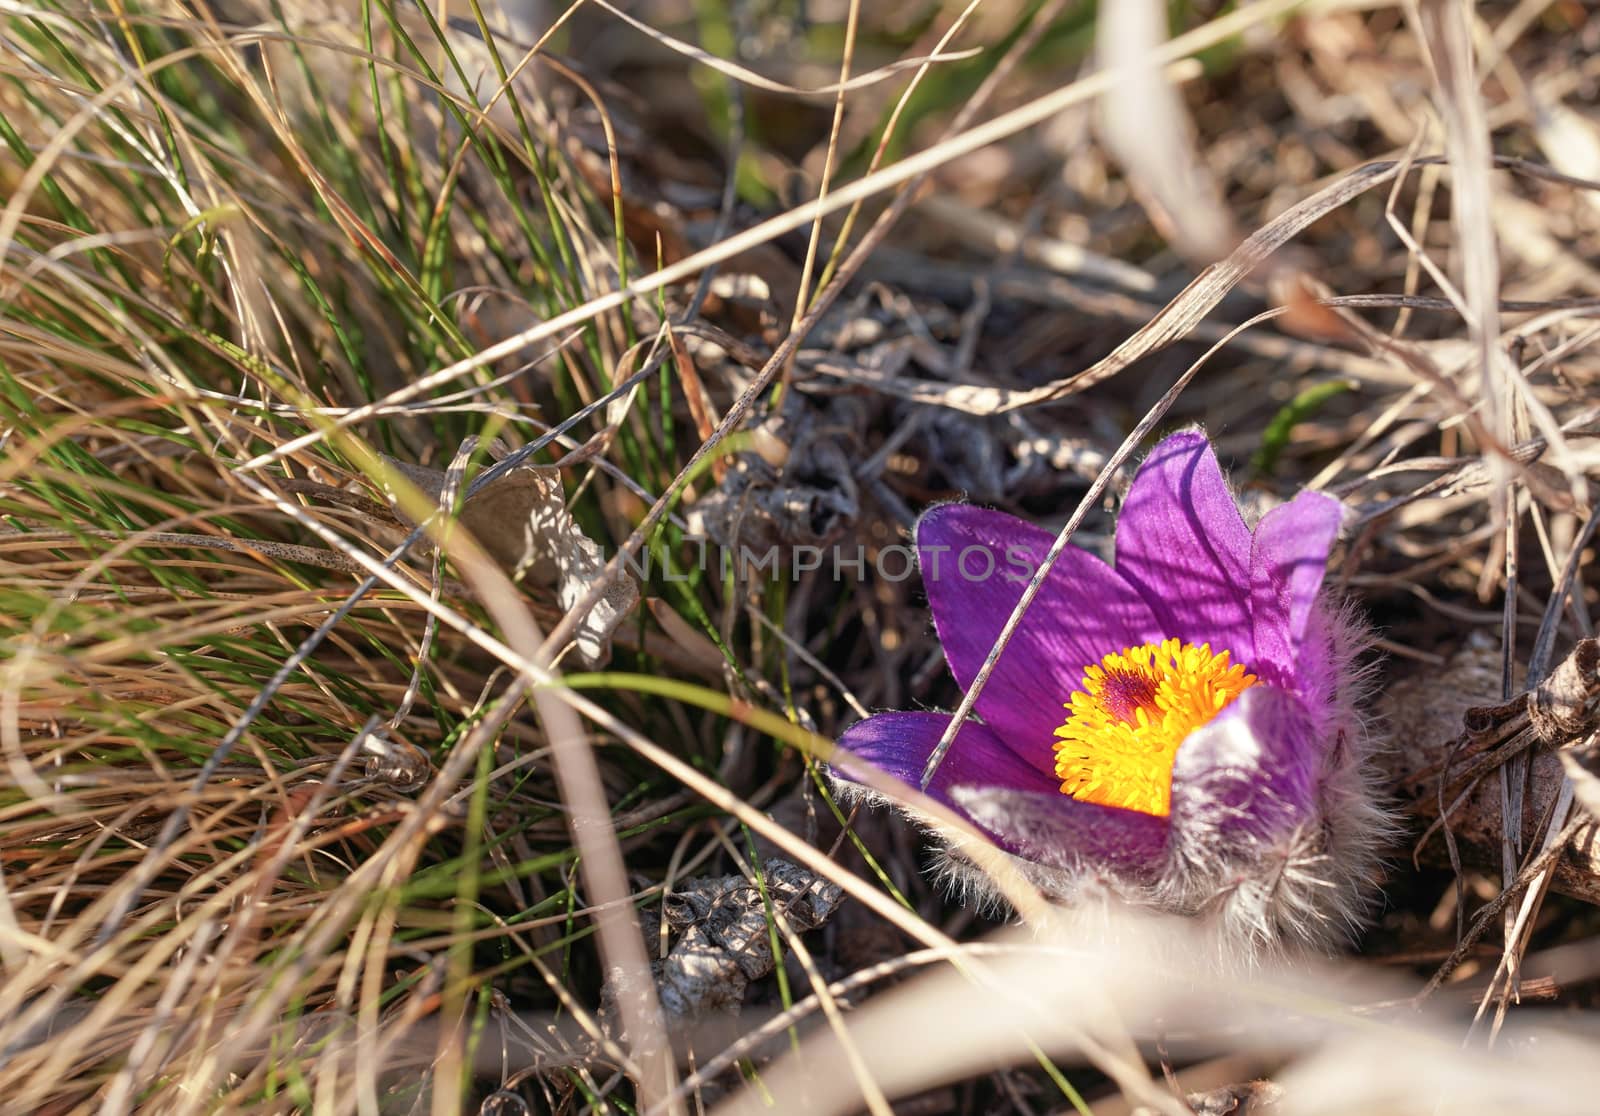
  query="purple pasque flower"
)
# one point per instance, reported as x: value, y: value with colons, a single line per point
x: 1180, y: 729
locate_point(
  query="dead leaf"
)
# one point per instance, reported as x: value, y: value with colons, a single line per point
x: 1583, y: 768
x: 520, y: 519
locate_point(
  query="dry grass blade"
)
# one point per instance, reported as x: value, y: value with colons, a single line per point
x: 1445, y: 28
x: 749, y: 77
x: 1147, y: 129
x: 1109, y: 972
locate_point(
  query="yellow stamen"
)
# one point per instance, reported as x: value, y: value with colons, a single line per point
x: 1134, y: 708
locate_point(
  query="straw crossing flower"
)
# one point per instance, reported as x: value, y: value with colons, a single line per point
x: 1179, y: 730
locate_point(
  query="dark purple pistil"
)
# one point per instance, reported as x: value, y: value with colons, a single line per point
x: 1124, y: 692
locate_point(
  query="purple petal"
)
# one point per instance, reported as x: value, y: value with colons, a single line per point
x: 900, y: 744
x: 1021, y: 809
x: 1288, y: 557
x: 975, y: 565
x: 1061, y: 832
x: 1183, y: 543
x: 1249, y: 775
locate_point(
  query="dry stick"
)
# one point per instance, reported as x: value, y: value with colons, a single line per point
x: 1512, y: 776
x: 911, y: 170
x: 1506, y: 305
x: 1518, y: 929
x: 1540, y: 864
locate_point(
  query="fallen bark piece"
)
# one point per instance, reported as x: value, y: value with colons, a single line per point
x: 797, y: 487
x: 1449, y: 735
x: 723, y: 939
